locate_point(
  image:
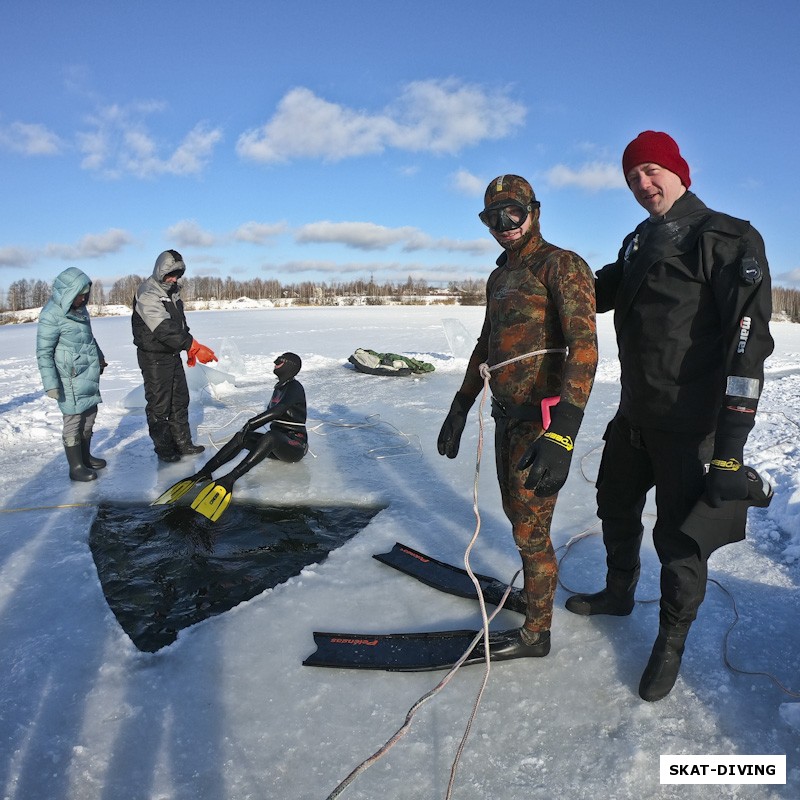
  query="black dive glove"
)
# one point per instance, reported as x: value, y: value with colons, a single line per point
x: 550, y: 455
x: 726, y: 479
x: 453, y: 427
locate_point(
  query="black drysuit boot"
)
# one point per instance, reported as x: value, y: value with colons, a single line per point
x: 662, y: 669
x: 77, y: 470
x: 88, y: 459
x: 617, y: 599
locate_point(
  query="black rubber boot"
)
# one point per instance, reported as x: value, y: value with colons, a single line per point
x: 505, y: 645
x: 617, y: 599
x: 662, y: 669
x: 88, y: 459
x: 187, y: 448
x: 77, y: 470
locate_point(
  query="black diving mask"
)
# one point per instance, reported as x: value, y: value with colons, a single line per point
x: 506, y: 216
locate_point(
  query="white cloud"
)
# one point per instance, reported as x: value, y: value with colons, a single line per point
x: 360, y: 235
x: 469, y: 184
x: 16, y: 257
x: 313, y: 266
x: 429, y: 116
x: 120, y: 143
x: 445, y: 116
x: 369, y: 236
x: 194, y: 151
x: 30, y: 139
x: 188, y: 233
x: 475, y: 247
x: 305, y: 125
x: 93, y: 245
x: 258, y: 232
x: 593, y: 177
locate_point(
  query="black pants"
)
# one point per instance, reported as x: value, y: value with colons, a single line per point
x: 634, y: 461
x: 167, y: 396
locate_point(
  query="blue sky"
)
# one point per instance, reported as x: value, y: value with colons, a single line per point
x: 331, y: 141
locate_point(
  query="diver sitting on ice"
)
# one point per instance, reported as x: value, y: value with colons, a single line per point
x: 286, y: 440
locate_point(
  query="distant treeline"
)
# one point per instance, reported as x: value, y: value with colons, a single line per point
x: 26, y: 293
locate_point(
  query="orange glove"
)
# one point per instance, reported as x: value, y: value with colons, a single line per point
x: 199, y: 352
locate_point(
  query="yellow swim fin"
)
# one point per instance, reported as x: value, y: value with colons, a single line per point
x: 212, y: 501
x: 177, y: 490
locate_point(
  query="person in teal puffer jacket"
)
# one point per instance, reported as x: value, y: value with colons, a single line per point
x: 70, y: 363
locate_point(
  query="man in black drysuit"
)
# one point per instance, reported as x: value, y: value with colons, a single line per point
x: 692, y: 302
x: 160, y: 333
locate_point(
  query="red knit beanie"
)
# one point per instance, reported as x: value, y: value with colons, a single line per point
x: 655, y: 147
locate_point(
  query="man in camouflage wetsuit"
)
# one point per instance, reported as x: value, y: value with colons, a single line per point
x: 539, y: 297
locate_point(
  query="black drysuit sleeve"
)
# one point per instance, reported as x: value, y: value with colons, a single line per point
x: 743, y: 296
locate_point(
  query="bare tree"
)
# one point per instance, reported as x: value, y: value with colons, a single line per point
x: 786, y: 301
x: 124, y: 290
x: 97, y: 297
x: 40, y: 293
x: 18, y: 294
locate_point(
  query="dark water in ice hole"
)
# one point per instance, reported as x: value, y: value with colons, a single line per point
x: 164, y: 568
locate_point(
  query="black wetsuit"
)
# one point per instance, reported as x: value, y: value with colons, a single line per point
x: 286, y: 440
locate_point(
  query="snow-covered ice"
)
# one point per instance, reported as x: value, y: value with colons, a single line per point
x: 227, y: 712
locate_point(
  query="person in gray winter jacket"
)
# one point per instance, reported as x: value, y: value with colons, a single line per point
x: 160, y: 333
x: 70, y: 363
